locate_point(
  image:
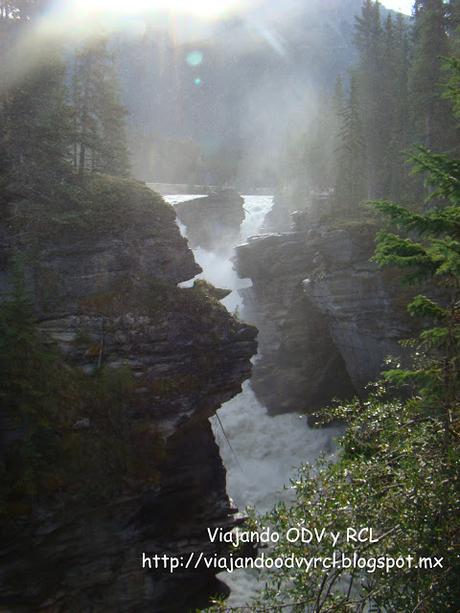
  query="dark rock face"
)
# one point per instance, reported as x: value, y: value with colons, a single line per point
x: 300, y: 368
x: 327, y: 316
x: 364, y: 306
x: 113, y: 286
x: 212, y: 222
x: 93, y: 561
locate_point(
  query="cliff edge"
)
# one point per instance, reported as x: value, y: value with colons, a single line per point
x: 103, y: 281
x: 327, y: 315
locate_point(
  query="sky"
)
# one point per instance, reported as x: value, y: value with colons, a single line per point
x: 404, y: 6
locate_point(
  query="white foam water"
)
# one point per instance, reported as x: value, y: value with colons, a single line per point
x: 265, y: 450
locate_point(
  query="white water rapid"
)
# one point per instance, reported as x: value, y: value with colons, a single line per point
x: 265, y: 449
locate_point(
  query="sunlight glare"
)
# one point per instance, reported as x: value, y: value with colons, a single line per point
x: 402, y: 6
x: 207, y: 9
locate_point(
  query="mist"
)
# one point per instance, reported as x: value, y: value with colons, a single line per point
x: 260, y: 451
x: 207, y: 219
x: 256, y: 76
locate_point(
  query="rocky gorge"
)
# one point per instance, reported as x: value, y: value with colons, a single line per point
x: 104, y: 286
x: 103, y: 282
x: 327, y: 316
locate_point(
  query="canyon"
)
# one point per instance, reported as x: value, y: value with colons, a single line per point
x: 327, y: 316
x: 105, y: 292
x: 120, y: 289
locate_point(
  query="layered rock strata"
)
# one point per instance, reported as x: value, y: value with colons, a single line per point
x: 327, y: 316
x: 104, y: 288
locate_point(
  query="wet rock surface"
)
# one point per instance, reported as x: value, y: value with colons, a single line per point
x: 327, y: 316
x: 107, y: 295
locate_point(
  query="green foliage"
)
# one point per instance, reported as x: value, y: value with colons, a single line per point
x: 98, y: 204
x: 397, y: 469
x: 393, y: 250
x: 36, y: 131
x: 100, y: 139
x: 43, y: 133
x: 370, y: 91
x: 26, y: 386
x: 436, y: 253
x: 442, y: 174
x: 351, y: 183
x: 214, y: 293
x: 395, y: 474
x: 390, y: 476
x: 424, y: 307
x: 106, y: 201
x: 67, y: 436
x: 434, y: 256
x: 117, y: 453
x: 432, y: 123
x: 395, y: 107
x: 452, y: 88
x: 393, y: 99
x: 45, y: 127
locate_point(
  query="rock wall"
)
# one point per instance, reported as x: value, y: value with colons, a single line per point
x: 299, y: 367
x: 104, y: 287
x: 365, y: 306
x: 213, y: 222
x: 327, y: 316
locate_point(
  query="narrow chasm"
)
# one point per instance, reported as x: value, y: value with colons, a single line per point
x: 261, y: 439
x: 146, y: 364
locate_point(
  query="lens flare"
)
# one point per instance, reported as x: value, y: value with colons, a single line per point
x: 71, y: 22
x: 194, y: 58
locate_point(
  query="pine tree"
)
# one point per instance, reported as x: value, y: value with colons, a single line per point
x: 338, y: 98
x: 319, y: 143
x: 100, y: 142
x: 371, y: 84
x: 397, y: 466
x: 337, y: 108
x: 434, y: 255
x: 113, y: 158
x: 36, y: 129
x: 453, y: 84
x: 453, y: 24
x: 431, y: 120
x: 395, y: 63
x: 351, y: 185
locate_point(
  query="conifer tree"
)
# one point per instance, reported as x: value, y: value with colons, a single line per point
x: 318, y: 147
x: 436, y: 256
x: 395, y: 64
x: 113, y: 157
x: 336, y: 113
x: 430, y: 114
x: 397, y: 468
x: 371, y: 84
x: 338, y: 97
x: 36, y: 129
x: 100, y: 143
x: 351, y: 185
x: 453, y: 24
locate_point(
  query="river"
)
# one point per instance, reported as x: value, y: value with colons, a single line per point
x: 265, y: 449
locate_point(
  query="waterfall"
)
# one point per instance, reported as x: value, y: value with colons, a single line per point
x: 264, y: 449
